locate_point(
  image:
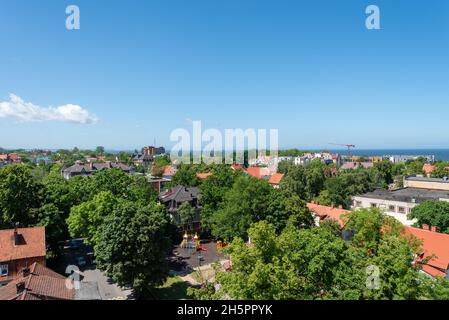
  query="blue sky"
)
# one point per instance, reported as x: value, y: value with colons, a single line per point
x: 308, y: 68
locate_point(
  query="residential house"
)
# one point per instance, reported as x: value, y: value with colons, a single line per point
x: 19, y: 249
x: 276, y: 179
x: 8, y: 158
x: 322, y: 213
x: 36, y: 282
x: 158, y: 183
x: 434, y: 245
x: 259, y: 172
x: 82, y: 169
x: 169, y: 171
x: 356, y: 165
x: 174, y: 197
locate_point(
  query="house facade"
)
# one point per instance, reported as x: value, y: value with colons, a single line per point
x: 174, y: 197
x: 19, y: 249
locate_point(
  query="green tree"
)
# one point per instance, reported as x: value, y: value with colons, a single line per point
x: 185, y: 176
x: 433, y: 213
x: 213, y: 191
x: 133, y: 244
x: 284, y: 207
x: 186, y: 214
x: 99, y: 150
x: 244, y: 203
x: 19, y: 194
x: 86, y: 219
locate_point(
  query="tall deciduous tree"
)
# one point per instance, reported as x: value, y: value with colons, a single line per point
x: 19, y: 194
x: 133, y: 244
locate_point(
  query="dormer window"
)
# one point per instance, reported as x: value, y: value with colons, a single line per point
x: 3, y: 270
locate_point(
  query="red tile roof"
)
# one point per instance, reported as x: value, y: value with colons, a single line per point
x: 169, y: 171
x: 433, y: 243
x: 428, y: 168
x: 325, y: 212
x: 203, y: 176
x: 40, y: 284
x: 258, y: 172
x: 32, y: 244
x: 276, y: 178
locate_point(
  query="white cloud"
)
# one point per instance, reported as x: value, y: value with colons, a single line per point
x: 23, y: 111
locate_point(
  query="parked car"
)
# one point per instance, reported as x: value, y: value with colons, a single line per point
x: 74, y: 244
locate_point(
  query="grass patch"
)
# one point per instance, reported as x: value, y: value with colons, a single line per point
x: 173, y: 289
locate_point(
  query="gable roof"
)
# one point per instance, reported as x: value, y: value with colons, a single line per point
x: 179, y: 194
x: 91, y: 167
x: 40, y: 284
x: 325, y: 212
x: 32, y: 244
x: 433, y: 243
x: 276, y: 178
x: 258, y: 172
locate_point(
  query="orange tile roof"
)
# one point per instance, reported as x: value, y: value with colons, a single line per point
x: 276, y: 178
x: 428, y: 168
x: 258, y: 172
x: 325, y: 212
x: 169, y: 171
x: 41, y: 284
x: 433, y: 243
x: 33, y: 244
x: 203, y: 176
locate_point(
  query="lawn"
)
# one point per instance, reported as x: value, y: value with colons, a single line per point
x: 173, y: 289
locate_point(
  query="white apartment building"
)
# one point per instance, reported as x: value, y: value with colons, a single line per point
x: 398, y: 203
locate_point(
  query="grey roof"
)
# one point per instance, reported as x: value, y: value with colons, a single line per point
x: 407, y: 195
x: 91, y: 167
x: 179, y: 194
x: 141, y: 157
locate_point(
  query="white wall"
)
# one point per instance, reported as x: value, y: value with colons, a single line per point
x: 384, y: 205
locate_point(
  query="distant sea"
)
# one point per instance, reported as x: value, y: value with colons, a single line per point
x: 440, y: 154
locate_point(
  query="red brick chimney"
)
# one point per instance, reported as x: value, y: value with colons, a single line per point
x: 425, y: 227
x: 433, y: 229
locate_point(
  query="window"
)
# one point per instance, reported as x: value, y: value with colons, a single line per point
x: 373, y: 205
x: 3, y: 270
x: 401, y: 209
x: 391, y: 208
x: 358, y: 204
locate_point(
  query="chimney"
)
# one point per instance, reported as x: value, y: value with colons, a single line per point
x: 20, y: 287
x: 433, y: 229
x: 340, y: 207
x: 425, y: 227
x: 91, y: 165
